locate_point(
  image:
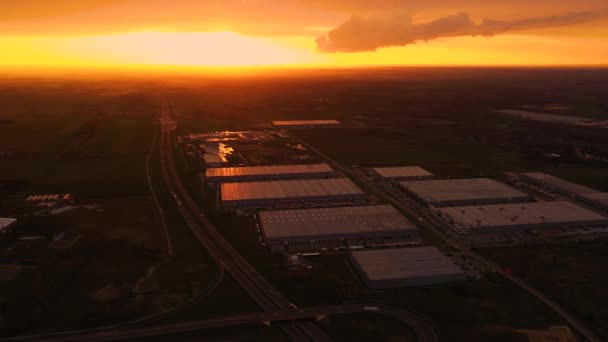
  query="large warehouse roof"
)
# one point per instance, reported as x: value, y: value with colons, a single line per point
x: 402, y: 172
x: 305, y: 122
x: 308, y: 223
x: 558, y: 183
x: 523, y: 214
x: 266, y: 170
x: 437, y: 191
x: 289, y: 189
x: 5, y: 222
x: 600, y: 198
x: 406, y: 266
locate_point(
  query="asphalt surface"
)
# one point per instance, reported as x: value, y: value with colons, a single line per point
x: 422, y: 328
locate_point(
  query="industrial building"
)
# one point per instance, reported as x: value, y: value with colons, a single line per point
x: 455, y: 192
x: 557, y: 184
x: 312, y: 229
x: 388, y: 268
x: 6, y: 224
x: 290, y: 194
x: 597, y: 199
x: 403, y: 173
x: 272, y: 172
x: 213, y: 160
x: 301, y: 123
x: 509, y: 217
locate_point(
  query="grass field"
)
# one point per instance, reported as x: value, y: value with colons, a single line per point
x: 74, y: 138
x: 571, y: 274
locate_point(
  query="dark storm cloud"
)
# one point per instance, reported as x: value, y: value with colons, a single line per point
x: 368, y: 34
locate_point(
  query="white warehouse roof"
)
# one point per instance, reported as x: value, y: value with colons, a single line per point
x: 227, y: 172
x: 305, y: 122
x: 559, y: 183
x: 310, y: 223
x: 455, y: 190
x: 402, y: 172
x: 6, y: 222
x: 406, y: 267
x: 289, y: 189
x: 537, y: 214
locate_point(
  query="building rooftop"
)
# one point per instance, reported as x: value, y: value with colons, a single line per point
x: 598, y: 197
x: 305, y: 122
x: 5, y: 222
x: 559, y: 183
x: 536, y: 213
x: 289, y: 189
x: 266, y: 170
x: 548, y: 117
x: 402, y: 171
x: 213, y: 159
x: 304, y: 223
x: 461, y: 189
x: 403, y: 263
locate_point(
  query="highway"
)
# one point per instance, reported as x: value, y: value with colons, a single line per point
x: 297, y: 323
x: 434, y: 224
x: 422, y: 328
x: 260, y: 290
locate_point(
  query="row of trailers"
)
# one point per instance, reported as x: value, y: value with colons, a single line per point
x: 304, y: 208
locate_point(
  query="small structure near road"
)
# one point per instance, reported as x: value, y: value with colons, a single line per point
x: 388, y: 268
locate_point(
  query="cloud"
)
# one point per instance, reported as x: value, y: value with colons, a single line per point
x: 250, y: 17
x: 368, y: 34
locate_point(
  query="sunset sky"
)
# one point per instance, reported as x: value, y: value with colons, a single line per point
x: 301, y: 33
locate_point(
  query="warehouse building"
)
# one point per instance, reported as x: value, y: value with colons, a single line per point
x: 312, y: 229
x: 456, y: 192
x: 290, y: 194
x: 510, y: 217
x: 403, y: 173
x: 557, y: 184
x: 596, y: 199
x: 6, y: 224
x: 213, y: 160
x: 388, y: 268
x: 582, y: 193
x: 272, y: 172
x: 305, y: 123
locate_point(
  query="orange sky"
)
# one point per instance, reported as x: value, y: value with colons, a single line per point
x: 155, y: 33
